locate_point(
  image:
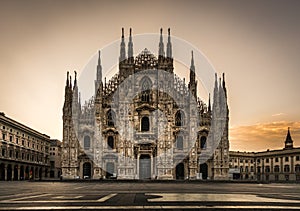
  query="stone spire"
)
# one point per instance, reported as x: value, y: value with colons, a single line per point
x: 99, y: 67
x: 161, y: 51
x: 122, y: 48
x: 224, y: 87
x: 216, y: 92
x: 98, y: 81
x: 288, y: 140
x: 67, y: 81
x: 169, y: 45
x: 209, y: 104
x: 130, y: 45
x: 193, y: 82
x: 192, y: 70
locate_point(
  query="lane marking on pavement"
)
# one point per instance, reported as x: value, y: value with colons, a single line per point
x: 67, y: 197
x: 105, y: 198
x: 194, y: 197
x: 14, y: 195
x: 79, y: 187
x: 30, y: 197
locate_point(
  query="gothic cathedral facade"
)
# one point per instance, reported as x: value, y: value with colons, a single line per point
x: 139, y: 124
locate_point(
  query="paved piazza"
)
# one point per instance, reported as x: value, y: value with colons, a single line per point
x: 104, y: 195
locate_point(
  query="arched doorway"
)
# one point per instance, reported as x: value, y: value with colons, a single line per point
x: 31, y: 173
x: 51, y: 173
x: 180, y: 171
x: 36, y: 172
x: 204, y: 170
x: 46, y: 172
x: 2, y: 171
x: 87, y: 170
x: 9, y: 172
x: 145, y: 167
x: 110, y: 169
x: 22, y: 173
x: 27, y: 172
x: 40, y: 173
x: 16, y: 172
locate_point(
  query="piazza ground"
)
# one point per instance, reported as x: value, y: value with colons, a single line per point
x: 154, y: 195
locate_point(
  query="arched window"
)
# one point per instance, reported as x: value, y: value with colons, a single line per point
x: 179, y: 118
x: 86, y: 142
x: 203, y: 142
x: 286, y: 168
x: 110, y: 118
x: 146, y: 87
x: 111, y: 142
x: 179, y: 142
x: 276, y: 168
x: 297, y: 168
x: 145, y: 125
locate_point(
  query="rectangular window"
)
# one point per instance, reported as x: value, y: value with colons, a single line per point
x: 23, y: 142
x: 17, y: 140
x: 4, y: 136
x: 10, y: 138
x: 297, y: 158
x: 10, y: 153
x: 276, y: 159
x: 3, y: 152
x: 267, y: 160
x: 286, y: 159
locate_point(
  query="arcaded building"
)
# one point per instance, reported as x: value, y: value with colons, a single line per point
x: 269, y: 165
x: 24, y: 151
x: 140, y: 124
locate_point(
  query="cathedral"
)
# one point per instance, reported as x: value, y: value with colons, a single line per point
x: 145, y: 122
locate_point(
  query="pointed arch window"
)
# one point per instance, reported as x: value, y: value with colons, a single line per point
x: 179, y: 118
x: 203, y: 142
x: 145, y: 124
x: 110, y: 118
x: 146, y: 87
x: 111, y: 142
x: 87, y: 142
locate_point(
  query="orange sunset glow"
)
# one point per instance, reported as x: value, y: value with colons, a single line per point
x: 256, y: 43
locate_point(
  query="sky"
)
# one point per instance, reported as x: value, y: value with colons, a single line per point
x: 256, y: 43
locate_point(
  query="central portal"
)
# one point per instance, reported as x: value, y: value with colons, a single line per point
x: 145, y: 167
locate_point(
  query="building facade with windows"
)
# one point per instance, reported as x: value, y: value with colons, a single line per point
x: 55, y: 158
x: 24, y: 151
x: 96, y: 145
x: 270, y: 165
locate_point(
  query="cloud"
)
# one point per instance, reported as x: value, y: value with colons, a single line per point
x: 279, y: 114
x: 263, y: 136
